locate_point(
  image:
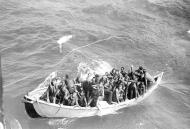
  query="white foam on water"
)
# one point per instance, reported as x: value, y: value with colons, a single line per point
x: 15, y: 124
x: 60, y: 123
x: 1, y: 126
x: 86, y: 71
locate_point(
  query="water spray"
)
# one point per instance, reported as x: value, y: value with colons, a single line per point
x: 62, y: 40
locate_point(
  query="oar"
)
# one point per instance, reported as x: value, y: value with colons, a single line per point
x: 62, y: 40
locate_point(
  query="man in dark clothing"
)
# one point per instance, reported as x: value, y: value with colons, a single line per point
x: 52, y: 91
x: 126, y: 86
x: 144, y: 76
x: 123, y: 71
x: 107, y: 89
x: 133, y: 79
x: 141, y: 88
x: 50, y: 94
x: 113, y: 72
x: 94, y: 91
x: 119, y: 93
x: 133, y: 92
x: 69, y: 84
x: 72, y: 90
x: 63, y: 95
x: 131, y: 73
x: 81, y: 95
x: 86, y: 88
x: 94, y: 94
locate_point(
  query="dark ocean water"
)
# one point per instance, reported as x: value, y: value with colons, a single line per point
x: 152, y: 33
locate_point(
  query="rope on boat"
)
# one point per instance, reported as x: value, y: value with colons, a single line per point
x: 58, y: 109
x: 96, y: 42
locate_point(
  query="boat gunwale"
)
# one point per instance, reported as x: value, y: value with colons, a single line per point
x: 38, y: 101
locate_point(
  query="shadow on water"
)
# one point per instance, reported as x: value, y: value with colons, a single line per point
x: 1, y: 94
x: 31, y: 111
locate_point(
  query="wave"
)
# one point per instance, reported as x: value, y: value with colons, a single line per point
x: 152, y: 33
x: 61, y: 123
x: 12, y: 123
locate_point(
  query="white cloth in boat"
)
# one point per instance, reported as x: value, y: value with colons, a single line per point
x: 149, y: 77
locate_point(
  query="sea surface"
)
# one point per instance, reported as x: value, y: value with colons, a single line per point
x: 152, y: 33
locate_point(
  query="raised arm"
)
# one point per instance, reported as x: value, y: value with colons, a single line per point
x: 48, y: 95
x: 117, y: 95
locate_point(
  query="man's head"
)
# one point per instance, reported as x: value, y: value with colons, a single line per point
x: 104, y: 77
x: 66, y: 76
x: 126, y: 76
x: 111, y: 79
x: 93, y: 79
x: 140, y: 68
x: 122, y: 68
x: 113, y: 70
x: 53, y: 81
x: 58, y: 79
x: 120, y: 86
x: 97, y: 78
x: 117, y: 72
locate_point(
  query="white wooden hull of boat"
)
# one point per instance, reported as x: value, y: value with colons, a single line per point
x: 46, y: 109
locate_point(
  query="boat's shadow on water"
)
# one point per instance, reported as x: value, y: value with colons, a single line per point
x: 31, y: 111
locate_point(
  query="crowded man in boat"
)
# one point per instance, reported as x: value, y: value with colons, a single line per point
x: 114, y: 87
